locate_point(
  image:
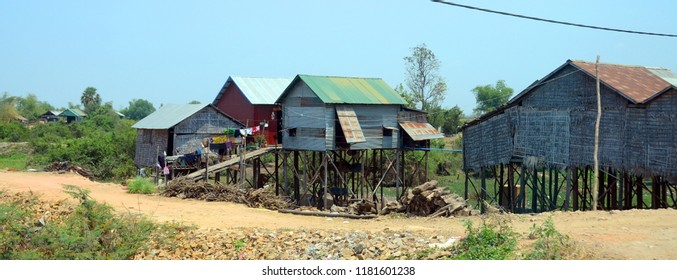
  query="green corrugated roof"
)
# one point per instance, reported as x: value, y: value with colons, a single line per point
x: 348, y: 90
x: 72, y: 112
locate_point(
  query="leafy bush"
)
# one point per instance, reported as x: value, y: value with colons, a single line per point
x: 141, y: 185
x: 103, y: 144
x: 14, y: 132
x: 92, y: 231
x: 550, y: 244
x: 490, y: 241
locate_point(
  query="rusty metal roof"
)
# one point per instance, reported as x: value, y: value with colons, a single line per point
x: 637, y: 83
x: 420, y: 131
x: 348, y: 90
x: 349, y: 124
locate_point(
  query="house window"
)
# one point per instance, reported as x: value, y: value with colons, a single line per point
x: 292, y: 132
x: 387, y: 132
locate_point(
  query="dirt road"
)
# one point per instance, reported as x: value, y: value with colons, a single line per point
x: 631, y: 235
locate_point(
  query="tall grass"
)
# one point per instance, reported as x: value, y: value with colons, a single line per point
x: 141, y: 185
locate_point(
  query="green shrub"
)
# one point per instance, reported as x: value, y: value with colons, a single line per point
x: 141, y: 185
x: 91, y: 232
x: 550, y: 244
x: 490, y: 241
x: 14, y: 132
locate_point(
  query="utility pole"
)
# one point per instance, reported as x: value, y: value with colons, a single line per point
x: 595, y: 180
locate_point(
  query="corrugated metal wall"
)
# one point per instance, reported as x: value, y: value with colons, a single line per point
x: 315, y: 123
x: 306, y: 113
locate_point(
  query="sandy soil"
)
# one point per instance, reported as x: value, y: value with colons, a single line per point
x: 631, y: 235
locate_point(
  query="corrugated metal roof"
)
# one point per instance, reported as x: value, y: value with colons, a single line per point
x: 72, y: 112
x: 348, y: 90
x: 420, y: 131
x: 169, y: 115
x: 349, y: 124
x: 637, y: 83
x: 261, y: 90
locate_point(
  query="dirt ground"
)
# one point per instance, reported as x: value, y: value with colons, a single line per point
x: 615, y: 235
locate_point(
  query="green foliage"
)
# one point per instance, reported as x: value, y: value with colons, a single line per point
x: 491, y: 241
x: 406, y: 95
x: 102, y: 143
x: 195, y: 102
x: 550, y: 244
x: 490, y: 97
x: 91, y: 232
x: 31, y: 108
x: 138, y: 109
x: 141, y: 185
x: 427, y: 88
x: 239, y: 245
x: 14, y: 132
x: 447, y: 119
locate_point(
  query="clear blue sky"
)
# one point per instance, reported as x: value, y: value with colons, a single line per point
x: 178, y: 51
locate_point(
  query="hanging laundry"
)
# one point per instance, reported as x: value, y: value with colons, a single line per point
x: 256, y: 129
x: 219, y: 139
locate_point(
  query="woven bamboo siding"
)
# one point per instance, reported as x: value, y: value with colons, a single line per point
x: 148, y: 143
x: 554, y: 125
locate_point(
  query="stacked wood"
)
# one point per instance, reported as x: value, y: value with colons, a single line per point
x: 256, y: 198
x: 429, y: 200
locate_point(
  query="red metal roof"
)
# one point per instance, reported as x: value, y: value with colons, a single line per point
x: 634, y: 82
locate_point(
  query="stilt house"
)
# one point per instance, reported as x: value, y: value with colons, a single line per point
x: 251, y: 101
x: 178, y: 129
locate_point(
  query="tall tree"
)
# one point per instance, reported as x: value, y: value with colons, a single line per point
x: 31, y: 108
x: 424, y: 83
x: 490, y: 97
x: 406, y: 96
x: 138, y: 109
x: 90, y: 99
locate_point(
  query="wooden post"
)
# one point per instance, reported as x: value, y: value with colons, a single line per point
x: 484, y: 190
x: 277, y: 173
x: 595, y: 186
x: 324, y: 196
x: 568, y: 190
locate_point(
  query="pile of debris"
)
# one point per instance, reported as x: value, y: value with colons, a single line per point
x: 256, y: 198
x: 428, y: 200
x: 67, y: 166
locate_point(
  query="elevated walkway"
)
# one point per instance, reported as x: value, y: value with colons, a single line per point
x: 197, y: 175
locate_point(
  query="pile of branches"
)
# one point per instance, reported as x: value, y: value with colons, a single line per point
x: 64, y: 166
x: 256, y: 198
x: 428, y: 200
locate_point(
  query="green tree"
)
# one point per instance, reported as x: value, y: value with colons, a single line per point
x: 7, y: 108
x: 447, y: 119
x: 490, y: 97
x: 195, y: 102
x: 452, y: 120
x: 90, y: 99
x: 31, y: 108
x: 138, y: 109
x: 406, y: 95
x: 426, y: 86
